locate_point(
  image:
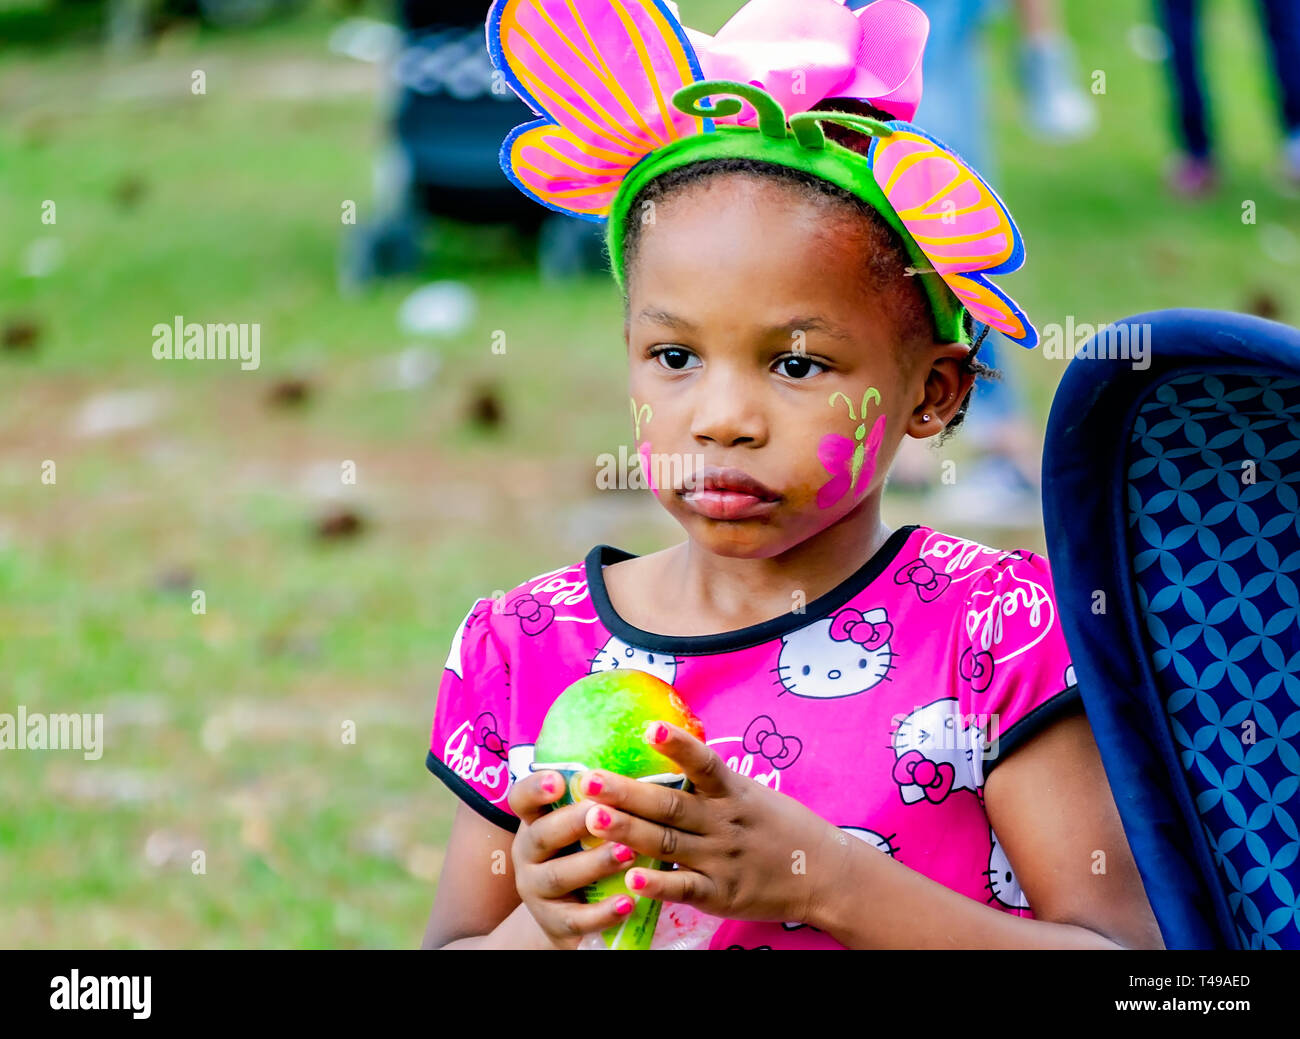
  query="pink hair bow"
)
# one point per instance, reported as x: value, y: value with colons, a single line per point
x: 804, y: 51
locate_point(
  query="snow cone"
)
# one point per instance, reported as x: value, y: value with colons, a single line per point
x: 599, y: 722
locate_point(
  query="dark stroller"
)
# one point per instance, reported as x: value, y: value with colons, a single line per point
x: 1173, y: 528
x: 451, y: 116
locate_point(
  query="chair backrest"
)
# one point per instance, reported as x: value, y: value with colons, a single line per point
x: 1173, y: 528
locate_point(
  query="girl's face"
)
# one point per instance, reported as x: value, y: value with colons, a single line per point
x: 759, y: 351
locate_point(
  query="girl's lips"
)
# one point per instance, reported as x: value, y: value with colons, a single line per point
x: 727, y: 505
x: 728, y: 494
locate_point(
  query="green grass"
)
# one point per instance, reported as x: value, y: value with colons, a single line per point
x: 224, y: 728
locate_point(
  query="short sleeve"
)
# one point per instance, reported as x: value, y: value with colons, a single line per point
x: 469, y: 744
x: 1014, y: 671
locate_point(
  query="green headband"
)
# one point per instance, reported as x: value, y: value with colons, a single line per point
x: 802, y: 145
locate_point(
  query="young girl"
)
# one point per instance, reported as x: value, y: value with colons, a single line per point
x: 895, y: 751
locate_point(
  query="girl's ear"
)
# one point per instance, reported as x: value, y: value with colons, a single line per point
x: 945, y: 387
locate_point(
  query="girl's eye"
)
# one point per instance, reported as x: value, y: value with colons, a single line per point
x: 676, y: 358
x: 797, y: 366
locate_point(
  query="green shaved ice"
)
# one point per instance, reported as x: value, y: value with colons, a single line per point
x: 600, y: 722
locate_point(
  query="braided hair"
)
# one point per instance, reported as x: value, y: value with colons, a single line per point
x: 888, y: 267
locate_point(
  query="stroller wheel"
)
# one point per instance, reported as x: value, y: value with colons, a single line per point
x: 380, y: 250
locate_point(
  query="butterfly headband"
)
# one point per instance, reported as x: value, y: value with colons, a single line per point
x: 625, y: 92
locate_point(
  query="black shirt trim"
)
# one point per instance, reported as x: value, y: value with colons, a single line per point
x: 470, y: 796
x: 740, y: 638
x: 1034, y: 722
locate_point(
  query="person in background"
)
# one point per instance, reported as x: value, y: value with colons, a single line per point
x: 1002, y: 486
x: 1055, y: 104
x: 1195, y: 172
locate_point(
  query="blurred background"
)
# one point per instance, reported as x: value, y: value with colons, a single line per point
x: 325, y: 169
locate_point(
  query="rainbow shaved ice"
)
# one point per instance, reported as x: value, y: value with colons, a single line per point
x: 599, y: 722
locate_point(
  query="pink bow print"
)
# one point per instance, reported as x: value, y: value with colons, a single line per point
x: 976, y: 668
x: 762, y: 738
x: 929, y: 585
x: 935, y: 780
x: 486, y: 736
x: 852, y: 625
x: 533, y: 615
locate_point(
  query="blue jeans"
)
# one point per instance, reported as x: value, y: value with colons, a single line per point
x: 954, y: 109
x: 1282, y: 27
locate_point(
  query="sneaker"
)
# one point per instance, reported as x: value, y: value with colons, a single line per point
x: 1191, y: 177
x: 1056, y: 107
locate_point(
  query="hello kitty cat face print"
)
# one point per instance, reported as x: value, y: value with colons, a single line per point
x: 1002, y: 884
x: 935, y: 753
x: 843, y: 656
x: 616, y: 654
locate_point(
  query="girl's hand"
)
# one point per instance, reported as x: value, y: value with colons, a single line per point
x: 549, y: 883
x: 743, y: 851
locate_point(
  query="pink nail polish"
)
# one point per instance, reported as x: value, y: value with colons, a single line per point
x: 603, y: 819
x: 623, y: 906
x: 623, y: 853
x: 548, y: 785
x: 594, y: 785
x: 636, y: 881
x: 658, y: 732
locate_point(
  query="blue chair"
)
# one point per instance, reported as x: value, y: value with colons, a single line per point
x: 1173, y: 529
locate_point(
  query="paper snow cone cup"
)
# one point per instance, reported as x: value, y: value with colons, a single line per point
x: 599, y: 722
x: 638, y: 927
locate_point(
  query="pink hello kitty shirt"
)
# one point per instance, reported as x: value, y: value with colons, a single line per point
x: 882, y: 707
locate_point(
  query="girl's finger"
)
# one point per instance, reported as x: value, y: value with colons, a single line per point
x: 574, y: 919
x: 659, y: 804
x: 555, y: 831
x: 659, y: 842
x: 672, y: 885
x: 565, y: 874
x: 703, y: 766
x: 530, y: 795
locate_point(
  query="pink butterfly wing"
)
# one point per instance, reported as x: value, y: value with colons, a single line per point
x: 987, y: 303
x: 951, y: 213
x: 602, y: 73
x: 834, y: 452
x: 957, y: 220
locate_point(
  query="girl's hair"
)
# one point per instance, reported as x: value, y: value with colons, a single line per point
x: 888, y: 263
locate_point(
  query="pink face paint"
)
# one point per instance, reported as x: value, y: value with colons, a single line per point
x: 647, y: 470
x: 851, y: 462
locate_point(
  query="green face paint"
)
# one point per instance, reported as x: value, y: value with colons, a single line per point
x: 859, y: 435
x: 639, y: 415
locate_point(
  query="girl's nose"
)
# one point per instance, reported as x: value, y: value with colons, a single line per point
x: 726, y: 413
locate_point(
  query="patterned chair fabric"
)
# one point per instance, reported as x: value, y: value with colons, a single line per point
x: 1214, y: 543
x: 1188, y: 524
